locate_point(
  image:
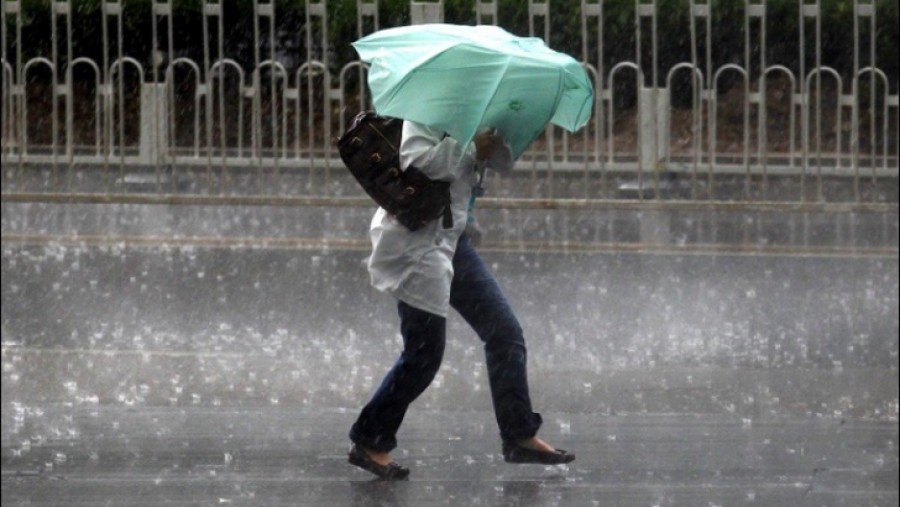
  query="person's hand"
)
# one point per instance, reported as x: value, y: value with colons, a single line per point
x: 493, y: 151
x: 486, y: 143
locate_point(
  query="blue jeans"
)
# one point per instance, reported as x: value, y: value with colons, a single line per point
x: 475, y: 294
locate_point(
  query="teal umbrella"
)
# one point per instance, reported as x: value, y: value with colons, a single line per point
x: 467, y: 79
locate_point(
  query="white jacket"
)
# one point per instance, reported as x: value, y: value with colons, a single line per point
x: 417, y: 266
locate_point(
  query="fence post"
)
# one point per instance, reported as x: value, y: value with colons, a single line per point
x: 366, y: 9
x: 653, y: 117
x: 654, y: 113
x: 485, y: 9
x: 154, y: 131
x: 426, y: 12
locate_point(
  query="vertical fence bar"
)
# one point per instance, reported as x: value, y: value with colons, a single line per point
x: 487, y: 9
x: 811, y: 10
x: 747, y: 101
x: 253, y: 93
x: 699, y: 10
x: 366, y: 9
x: 106, y: 93
x: 70, y: 96
x: 869, y: 9
x: 171, y: 132
x: 745, y: 75
x: 588, y: 11
x: 98, y: 106
x: 696, y: 107
x: 242, y: 92
x: 854, y: 111
x: 199, y: 92
x: 367, y: 21
x: 842, y: 101
x: 886, y: 100
x: 815, y: 11
x: 892, y: 102
x: 273, y: 99
x: 108, y: 10
x: 24, y: 92
x: 213, y: 9
x: 158, y: 59
x: 8, y: 134
x: 757, y: 11
x: 62, y: 89
x: 6, y: 127
x: 263, y: 10
x: 16, y: 88
x: 298, y: 107
x: 169, y: 137
x: 638, y: 58
x: 310, y: 98
x: 764, y: 152
x: 317, y: 14
x: 120, y: 89
x: 765, y: 70
x: 714, y: 108
x: 536, y: 10
x: 709, y: 97
x: 208, y: 101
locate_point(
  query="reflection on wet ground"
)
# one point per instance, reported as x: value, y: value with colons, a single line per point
x: 100, y: 455
x: 213, y: 372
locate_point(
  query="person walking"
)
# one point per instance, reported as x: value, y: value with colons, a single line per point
x: 429, y: 271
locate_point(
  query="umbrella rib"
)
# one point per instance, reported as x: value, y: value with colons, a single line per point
x: 560, y: 89
x: 493, y: 94
x: 396, y: 89
x: 585, y: 104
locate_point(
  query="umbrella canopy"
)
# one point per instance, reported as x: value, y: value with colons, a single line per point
x: 467, y: 79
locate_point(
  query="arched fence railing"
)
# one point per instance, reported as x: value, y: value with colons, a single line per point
x: 204, y: 123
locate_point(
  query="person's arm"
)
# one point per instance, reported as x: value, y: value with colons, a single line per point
x: 430, y: 151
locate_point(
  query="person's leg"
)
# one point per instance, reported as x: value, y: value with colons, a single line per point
x: 478, y: 298
x: 424, y: 336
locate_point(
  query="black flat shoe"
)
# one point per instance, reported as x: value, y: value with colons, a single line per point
x: 390, y: 472
x: 514, y: 453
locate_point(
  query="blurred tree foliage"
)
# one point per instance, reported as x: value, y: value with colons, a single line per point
x: 565, y: 26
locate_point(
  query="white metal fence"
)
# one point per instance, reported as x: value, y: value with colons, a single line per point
x: 169, y: 116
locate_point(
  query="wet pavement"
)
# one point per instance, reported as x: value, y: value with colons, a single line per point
x: 172, y: 356
x: 101, y: 455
